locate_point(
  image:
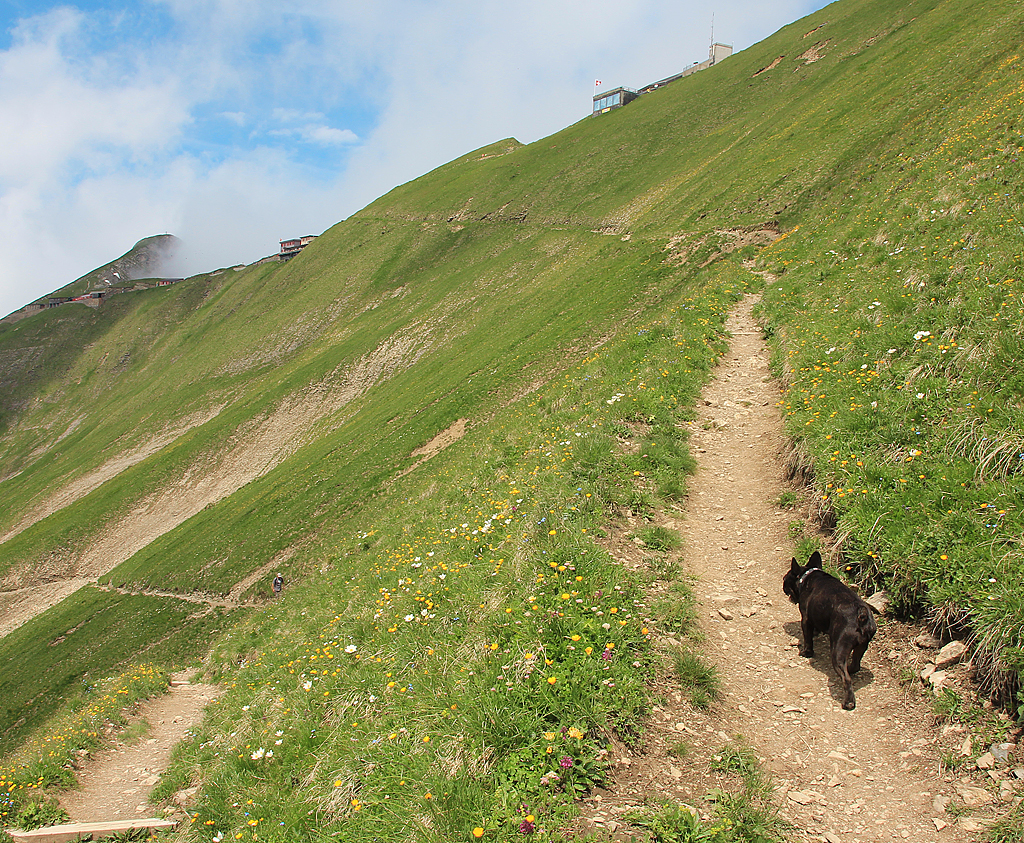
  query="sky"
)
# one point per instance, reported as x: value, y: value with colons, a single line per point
x: 234, y: 124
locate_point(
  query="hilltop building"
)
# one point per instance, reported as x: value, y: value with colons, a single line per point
x: 618, y: 97
x: 290, y: 248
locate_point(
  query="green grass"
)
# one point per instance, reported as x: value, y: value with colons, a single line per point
x: 699, y: 678
x: 658, y: 538
x: 562, y: 297
x: 479, y: 647
x: 1008, y: 828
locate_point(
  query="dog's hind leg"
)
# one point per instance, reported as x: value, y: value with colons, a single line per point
x: 858, y: 654
x: 839, y: 659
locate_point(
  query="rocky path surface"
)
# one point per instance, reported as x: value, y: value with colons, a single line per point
x: 871, y: 774
x: 116, y: 782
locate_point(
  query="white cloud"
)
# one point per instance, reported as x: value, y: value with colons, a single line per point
x: 328, y: 135
x: 310, y: 127
x: 57, y: 112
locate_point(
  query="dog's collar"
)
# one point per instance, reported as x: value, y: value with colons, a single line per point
x: 804, y: 576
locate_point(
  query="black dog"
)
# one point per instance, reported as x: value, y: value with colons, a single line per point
x: 827, y: 605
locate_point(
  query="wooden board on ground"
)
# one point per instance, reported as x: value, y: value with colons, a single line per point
x: 85, y: 831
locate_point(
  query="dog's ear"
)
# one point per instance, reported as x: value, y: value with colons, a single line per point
x: 815, y: 560
x: 795, y: 567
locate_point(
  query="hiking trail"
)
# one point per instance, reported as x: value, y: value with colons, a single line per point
x: 871, y: 774
x: 115, y: 782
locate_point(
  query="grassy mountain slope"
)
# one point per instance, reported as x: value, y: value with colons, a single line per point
x: 554, y: 295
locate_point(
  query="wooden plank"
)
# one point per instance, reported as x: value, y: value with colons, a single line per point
x: 85, y: 831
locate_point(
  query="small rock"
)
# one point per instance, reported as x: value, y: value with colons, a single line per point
x: 183, y: 797
x: 974, y: 797
x: 725, y: 613
x: 1005, y: 791
x: 927, y: 671
x: 1019, y: 774
x: 879, y: 601
x: 972, y: 825
x: 939, y: 824
x: 1001, y: 752
x: 950, y: 654
x: 927, y: 641
x: 938, y: 680
x: 986, y: 761
x: 829, y: 837
x: 939, y: 803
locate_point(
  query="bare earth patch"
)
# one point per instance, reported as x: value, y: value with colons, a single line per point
x: 872, y: 774
x: 445, y: 438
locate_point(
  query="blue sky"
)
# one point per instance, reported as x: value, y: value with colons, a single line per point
x: 236, y: 123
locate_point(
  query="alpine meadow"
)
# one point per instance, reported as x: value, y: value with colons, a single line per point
x: 418, y: 420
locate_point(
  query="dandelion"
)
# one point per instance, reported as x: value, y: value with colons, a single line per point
x: 478, y: 832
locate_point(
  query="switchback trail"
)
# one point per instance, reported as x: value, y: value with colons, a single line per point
x: 871, y: 774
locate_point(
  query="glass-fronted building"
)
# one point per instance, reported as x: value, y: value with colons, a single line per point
x: 613, y: 99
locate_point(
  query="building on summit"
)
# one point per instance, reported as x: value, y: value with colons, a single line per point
x: 618, y: 97
x: 290, y: 248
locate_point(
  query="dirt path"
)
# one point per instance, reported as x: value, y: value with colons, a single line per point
x: 115, y: 783
x: 872, y: 774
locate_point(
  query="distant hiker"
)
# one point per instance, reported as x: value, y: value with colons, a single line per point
x: 278, y: 584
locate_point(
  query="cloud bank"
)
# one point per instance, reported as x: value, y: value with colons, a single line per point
x: 236, y: 123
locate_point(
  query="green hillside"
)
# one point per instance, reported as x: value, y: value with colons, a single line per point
x: 544, y: 298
